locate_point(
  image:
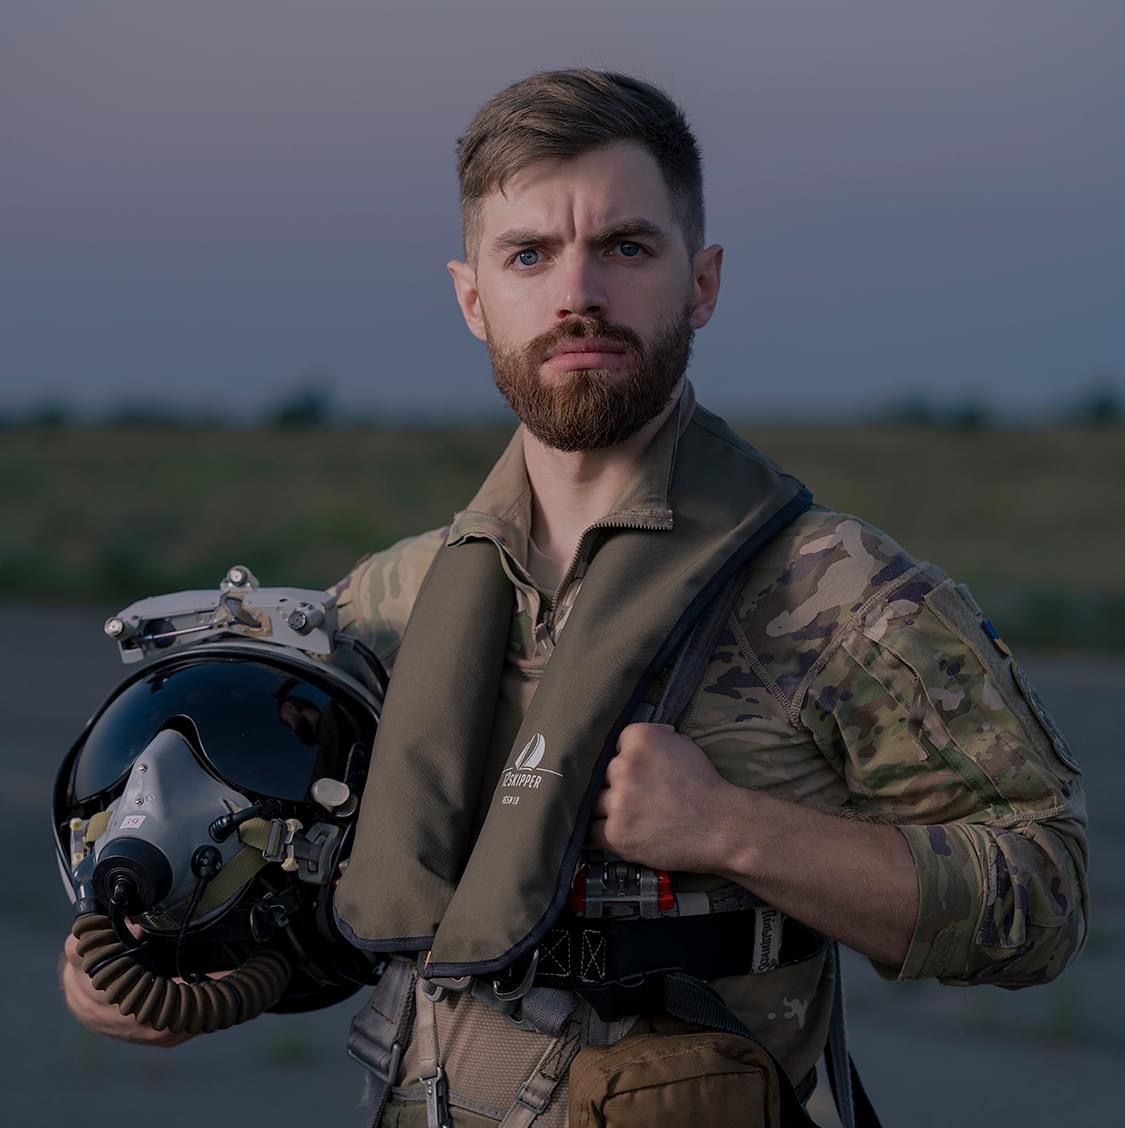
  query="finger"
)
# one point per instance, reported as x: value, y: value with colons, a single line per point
x: 70, y: 950
x: 91, y: 1009
x: 595, y: 836
x: 618, y: 767
x: 638, y: 730
x: 79, y: 995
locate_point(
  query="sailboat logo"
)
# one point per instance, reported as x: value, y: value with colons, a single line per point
x: 532, y: 755
x: 525, y: 773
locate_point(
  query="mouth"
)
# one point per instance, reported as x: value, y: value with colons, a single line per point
x: 585, y: 345
x: 590, y: 352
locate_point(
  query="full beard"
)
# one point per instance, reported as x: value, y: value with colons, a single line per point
x: 592, y: 408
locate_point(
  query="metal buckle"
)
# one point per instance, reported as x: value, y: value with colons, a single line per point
x: 514, y: 994
x: 437, y: 1100
x: 435, y: 987
x: 615, y: 888
x: 395, y: 1062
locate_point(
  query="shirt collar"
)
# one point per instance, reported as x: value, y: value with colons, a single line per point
x: 501, y: 509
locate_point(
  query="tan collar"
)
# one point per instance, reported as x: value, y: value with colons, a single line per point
x: 501, y: 509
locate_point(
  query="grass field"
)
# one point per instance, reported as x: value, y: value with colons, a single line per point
x: 1032, y: 519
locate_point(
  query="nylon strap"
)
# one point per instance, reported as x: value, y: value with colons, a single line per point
x: 255, y: 832
x: 241, y: 869
x: 380, y: 1032
x: 852, y: 1103
x: 235, y: 875
x: 536, y: 1092
x: 429, y: 1058
x: 547, y: 1009
x: 691, y: 662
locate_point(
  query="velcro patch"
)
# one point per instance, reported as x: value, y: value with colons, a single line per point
x: 1035, y: 704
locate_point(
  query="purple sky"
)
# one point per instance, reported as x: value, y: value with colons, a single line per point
x: 201, y: 201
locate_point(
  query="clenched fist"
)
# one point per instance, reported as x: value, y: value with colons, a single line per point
x: 663, y: 805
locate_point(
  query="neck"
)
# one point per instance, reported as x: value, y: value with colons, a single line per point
x: 573, y: 489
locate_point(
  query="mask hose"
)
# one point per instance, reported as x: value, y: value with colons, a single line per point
x: 159, y: 1001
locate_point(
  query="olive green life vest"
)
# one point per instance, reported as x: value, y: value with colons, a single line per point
x: 417, y: 880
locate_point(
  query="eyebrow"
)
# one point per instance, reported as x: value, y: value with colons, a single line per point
x: 633, y: 228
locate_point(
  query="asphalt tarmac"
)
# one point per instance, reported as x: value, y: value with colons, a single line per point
x: 930, y: 1055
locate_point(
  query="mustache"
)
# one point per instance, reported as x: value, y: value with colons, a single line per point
x: 584, y: 328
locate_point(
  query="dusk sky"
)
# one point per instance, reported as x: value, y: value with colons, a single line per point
x: 201, y: 201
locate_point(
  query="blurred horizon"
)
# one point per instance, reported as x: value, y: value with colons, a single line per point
x: 203, y: 205
x: 313, y: 402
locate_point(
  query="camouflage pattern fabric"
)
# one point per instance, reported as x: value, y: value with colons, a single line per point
x: 857, y: 680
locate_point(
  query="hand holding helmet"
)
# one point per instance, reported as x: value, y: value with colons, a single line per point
x: 211, y: 801
x: 93, y: 1009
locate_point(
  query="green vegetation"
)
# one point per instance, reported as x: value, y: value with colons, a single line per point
x: 1032, y: 518
x: 291, y: 1048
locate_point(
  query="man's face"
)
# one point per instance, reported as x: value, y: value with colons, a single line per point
x: 585, y: 294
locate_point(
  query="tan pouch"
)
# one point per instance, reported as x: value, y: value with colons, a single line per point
x: 675, y: 1080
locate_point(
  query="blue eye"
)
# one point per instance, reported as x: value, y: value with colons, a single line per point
x: 523, y: 259
x: 630, y: 250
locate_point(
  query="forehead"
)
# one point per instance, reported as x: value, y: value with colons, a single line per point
x: 575, y: 193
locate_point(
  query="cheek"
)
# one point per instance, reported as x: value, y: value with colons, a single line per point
x: 514, y: 315
x: 648, y: 299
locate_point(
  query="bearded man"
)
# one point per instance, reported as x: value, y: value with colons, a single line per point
x: 853, y: 756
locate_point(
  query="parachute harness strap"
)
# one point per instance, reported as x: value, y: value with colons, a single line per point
x: 183, y: 1008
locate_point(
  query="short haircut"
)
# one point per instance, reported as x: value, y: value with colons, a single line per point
x: 565, y: 113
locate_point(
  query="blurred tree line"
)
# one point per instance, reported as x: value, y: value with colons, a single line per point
x: 146, y: 500
x: 311, y: 402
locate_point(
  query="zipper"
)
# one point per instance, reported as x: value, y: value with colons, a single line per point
x: 569, y: 576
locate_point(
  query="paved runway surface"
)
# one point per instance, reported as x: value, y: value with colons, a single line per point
x: 931, y: 1055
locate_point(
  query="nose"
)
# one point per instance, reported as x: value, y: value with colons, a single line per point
x: 582, y: 292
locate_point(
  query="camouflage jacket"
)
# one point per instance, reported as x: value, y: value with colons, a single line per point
x: 850, y: 677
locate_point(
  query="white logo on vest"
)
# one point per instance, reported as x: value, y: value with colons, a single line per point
x: 525, y: 772
x: 532, y: 755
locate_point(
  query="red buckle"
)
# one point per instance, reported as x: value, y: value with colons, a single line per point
x: 608, y: 887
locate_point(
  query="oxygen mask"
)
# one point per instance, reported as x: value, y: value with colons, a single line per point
x: 206, y: 811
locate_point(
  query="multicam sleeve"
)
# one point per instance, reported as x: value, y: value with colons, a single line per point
x: 375, y: 598
x: 937, y: 730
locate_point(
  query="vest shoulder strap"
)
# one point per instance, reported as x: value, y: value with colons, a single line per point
x: 687, y: 671
x: 690, y: 663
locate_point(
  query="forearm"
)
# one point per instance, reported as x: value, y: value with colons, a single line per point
x: 851, y: 879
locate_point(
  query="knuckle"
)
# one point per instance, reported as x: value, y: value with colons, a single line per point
x: 632, y: 736
x: 626, y: 756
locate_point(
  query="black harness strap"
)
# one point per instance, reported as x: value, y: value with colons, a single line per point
x: 852, y: 1103
x: 380, y: 1033
x: 616, y: 965
x: 691, y: 661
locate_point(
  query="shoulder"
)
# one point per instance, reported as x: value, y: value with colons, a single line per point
x: 822, y: 576
x: 375, y: 598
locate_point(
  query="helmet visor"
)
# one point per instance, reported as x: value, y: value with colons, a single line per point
x: 264, y: 728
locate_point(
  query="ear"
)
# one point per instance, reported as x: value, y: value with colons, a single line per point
x: 468, y: 296
x: 706, y: 271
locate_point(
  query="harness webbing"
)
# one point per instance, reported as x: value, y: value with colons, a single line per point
x: 692, y: 999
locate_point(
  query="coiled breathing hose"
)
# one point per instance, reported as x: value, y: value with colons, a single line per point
x: 183, y: 1008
